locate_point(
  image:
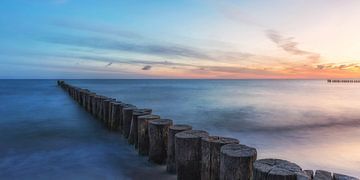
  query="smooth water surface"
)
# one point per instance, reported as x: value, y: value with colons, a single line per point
x: 45, y: 134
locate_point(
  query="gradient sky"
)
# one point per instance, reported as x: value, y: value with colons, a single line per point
x: 179, y: 39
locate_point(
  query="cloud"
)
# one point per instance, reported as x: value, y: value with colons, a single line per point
x: 163, y: 50
x: 333, y: 66
x: 109, y: 64
x: 289, y: 45
x: 147, y: 67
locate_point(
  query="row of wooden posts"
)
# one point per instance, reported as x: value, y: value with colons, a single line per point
x: 343, y: 81
x: 191, y: 154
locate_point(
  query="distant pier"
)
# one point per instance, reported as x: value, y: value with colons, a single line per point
x: 191, y: 154
x: 343, y: 81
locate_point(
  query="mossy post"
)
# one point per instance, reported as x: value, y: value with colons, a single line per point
x: 158, y: 139
x: 210, y: 155
x: 143, y: 134
x: 277, y: 169
x: 188, y: 154
x: 236, y: 162
x: 133, y: 134
x: 127, y: 117
x: 170, y: 162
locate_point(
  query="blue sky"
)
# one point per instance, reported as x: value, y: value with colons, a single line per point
x: 179, y: 39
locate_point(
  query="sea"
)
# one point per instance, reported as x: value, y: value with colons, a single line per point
x: 44, y: 134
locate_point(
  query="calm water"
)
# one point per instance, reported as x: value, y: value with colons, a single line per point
x: 45, y: 134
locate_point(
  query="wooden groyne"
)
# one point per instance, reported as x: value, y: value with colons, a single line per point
x: 343, y: 81
x: 191, y: 154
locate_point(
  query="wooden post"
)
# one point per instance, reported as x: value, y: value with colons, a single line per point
x: 236, y: 162
x: 276, y: 169
x: 133, y: 136
x: 105, y: 110
x: 158, y: 138
x: 94, y: 105
x: 188, y: 154
x: 116, y: 116
x: 210, y: 155
x: 309, y: 173
x: 143, y: 135
x: 121, y: 123
x: 111, y: 114
x: 90, y: 101
x: 322, y: 175
x: 170, y: 162
x: 337, y: 176
x: 100, y: 107
x: 127, y: 117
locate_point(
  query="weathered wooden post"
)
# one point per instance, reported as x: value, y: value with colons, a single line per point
x: 170, y: 162
x: 94, y: 105
x: 143, y: 134
x: 127, y: 117
x: 121, y: 122
x: 100, y: 107
x: 322, y: 175
x: 236, y: 162
x: 277, y: 169
x: 337, y: 176
x: 133, y: 136
x: 188, y: 154
x: 90, y: 101
x: 116, y: 116
x: 84, y: 95
x: 210, y: 155
x: 158, y: 138
x: 105, y: 110
x: 110, y: 120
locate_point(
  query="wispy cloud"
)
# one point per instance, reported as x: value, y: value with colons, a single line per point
x: 163, y: 50
x: 147, y: 67
x: 109, y: 64
x: 333, y: 66
x: 289, y: 45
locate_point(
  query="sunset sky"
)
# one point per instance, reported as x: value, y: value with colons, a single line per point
x: 180, y: 39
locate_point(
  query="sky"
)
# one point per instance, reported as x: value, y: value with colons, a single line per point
x: 210, y: 39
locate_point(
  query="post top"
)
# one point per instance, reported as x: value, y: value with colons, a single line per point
x: 129, y: 108
x: 180, y: 127
x: 197, y: 134
x: 161, y: 122
x: 221, y: 140
x: 238, y: 150
x: 148, y: 117
x: 277, y: 167
x: 141, y: 112
x: 344, y: 177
